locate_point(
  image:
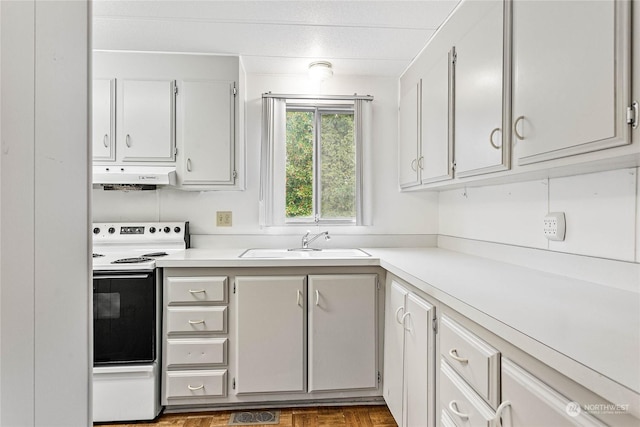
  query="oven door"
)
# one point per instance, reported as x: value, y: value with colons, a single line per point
x: 124, y: 317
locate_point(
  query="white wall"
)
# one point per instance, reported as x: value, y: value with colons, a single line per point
x: 44, y: 214
x: 394, y: 214
x: 602, y: 217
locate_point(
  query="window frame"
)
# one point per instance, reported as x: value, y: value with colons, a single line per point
x: 318, y: 110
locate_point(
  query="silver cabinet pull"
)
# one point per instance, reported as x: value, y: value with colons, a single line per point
x: 196, y: 322
x: 188, y: 165
x: 127, y: 140
x: 420, y: 162
x: 200, y: 387
x: 493, y: 144
x: 515, y: 128
x: 404, y: 316
x: 105, y: 140
x: 398, y: 312
x: 317, y: 297
x: 456, y: 411
x: 197, y: 291
x: 298, y: 297
x: 413, y: 165
x: 454, y: 355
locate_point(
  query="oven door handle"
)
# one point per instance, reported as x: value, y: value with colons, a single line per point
x: 123, y: 276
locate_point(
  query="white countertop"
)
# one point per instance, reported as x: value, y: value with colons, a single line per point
x: 594, y: 325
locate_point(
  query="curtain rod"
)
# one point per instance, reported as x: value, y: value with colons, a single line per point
x: 319, y: 97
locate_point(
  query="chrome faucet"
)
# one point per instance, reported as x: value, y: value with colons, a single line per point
x: 306, y: 240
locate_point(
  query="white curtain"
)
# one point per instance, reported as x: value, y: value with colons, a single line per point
x: 272, y: 160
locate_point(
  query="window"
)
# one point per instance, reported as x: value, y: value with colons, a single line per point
x: 320, y: 164
x: 314, y: 164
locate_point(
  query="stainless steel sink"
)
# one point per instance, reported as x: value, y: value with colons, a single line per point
x: 304, y: 253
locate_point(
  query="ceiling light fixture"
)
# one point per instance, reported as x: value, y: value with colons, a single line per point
x: 320, y: 70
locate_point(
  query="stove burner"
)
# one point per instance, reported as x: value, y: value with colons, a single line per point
x: 97, y: 255
x: 131, y: 260
x: 155, y: 254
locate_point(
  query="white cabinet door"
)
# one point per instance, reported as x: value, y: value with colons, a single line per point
x: 206, y: 126
x: 394, y: 349
x: 342, y: 332
x: 571, y: 77
x: 409, y: 133
x: 437, y: 141
x: 533, y: 403
x: 148, y: 116
x: 103, y: 119
x: 419, y: 367
x: 479, y: 88
x: 270, y: 334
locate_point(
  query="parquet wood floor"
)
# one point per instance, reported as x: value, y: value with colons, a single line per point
x: 343, y: 416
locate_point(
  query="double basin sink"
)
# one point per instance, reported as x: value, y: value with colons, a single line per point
x: 302, y: 253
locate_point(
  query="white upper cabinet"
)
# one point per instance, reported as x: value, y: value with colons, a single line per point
x: 409, y: 133
x: 206, y: 127
x: 148, y: 116
x: 479, y: 94
x: 571, y: 77
x: 103, y: 119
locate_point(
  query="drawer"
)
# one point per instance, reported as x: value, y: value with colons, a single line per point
x: 460, y: 402
x: 475, y: 360
x: 196, y: 351
x: 197, y: 289
x: 197, y: 319
x: 196, y: 384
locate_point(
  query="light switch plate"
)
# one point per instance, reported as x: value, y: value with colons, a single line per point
x: 224, y: 218
x: 555, y: 226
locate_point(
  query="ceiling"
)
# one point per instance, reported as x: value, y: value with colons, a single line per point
x: 360, y: 38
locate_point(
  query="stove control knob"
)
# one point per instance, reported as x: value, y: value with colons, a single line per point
x: 96, y: 230
x: 152, y: 230
x: 177, y: 229
x: 167, y: 229
x: 112, y: 230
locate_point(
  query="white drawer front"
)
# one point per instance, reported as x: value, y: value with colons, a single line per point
x: 475, y: 360
x: 196, y: 384
x: 196, y: 319
x: 197, y: 289
x: 200, y: 351
x: 460, y: 402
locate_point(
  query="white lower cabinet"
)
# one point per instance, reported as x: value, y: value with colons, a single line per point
x: 409, y: 372
x: 270, y: 334
x: 195, y: 338
x: 278, y: 320
x: 531, y: 402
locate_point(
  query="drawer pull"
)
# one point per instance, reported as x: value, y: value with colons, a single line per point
x: 455, y: 410
x: 200, y: 387
x: 197, y: 291
x: 299, y: 298
x: 398, y: 312
x: 498, y: 418
x: 454, y: 355
x: 196, y: 322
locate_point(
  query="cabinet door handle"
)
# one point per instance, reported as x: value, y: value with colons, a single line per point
x: 413, y: 165
x: 493, y: 144
x: 456, y: 411
x: 197, y: 291
x: 498, y: 418
x: 127, y: 140
x: 317, y: 297
x: 192, y: 388
x: 298, y: 298
x: 196, y: 322
x: 454, y: 355
x: 403, y: 322
x: 515, y: 128
x: 420, y: 159
x: 105, y: 140
x: 188, y: 165
x: 398, y: 312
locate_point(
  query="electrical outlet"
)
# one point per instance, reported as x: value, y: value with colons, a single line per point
x: 555, y: 226
x: 224, y: 218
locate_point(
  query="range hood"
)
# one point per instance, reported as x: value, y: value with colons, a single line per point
x: 134, y: 175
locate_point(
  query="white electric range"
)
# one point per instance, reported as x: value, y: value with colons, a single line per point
x: 127, y: 316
